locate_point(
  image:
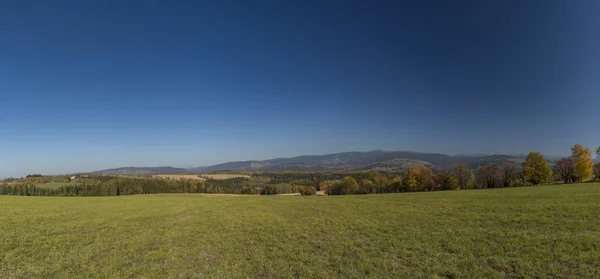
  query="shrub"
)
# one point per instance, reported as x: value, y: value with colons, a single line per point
x: 395, y: 186
x: 307, y: 191
x: 269, y: 190
x: 283, y: 188
x: 324, y: 185
x: 348, y: 186
x: 366, y: 187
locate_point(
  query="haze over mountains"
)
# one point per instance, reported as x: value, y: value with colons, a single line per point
x: 346, y: 161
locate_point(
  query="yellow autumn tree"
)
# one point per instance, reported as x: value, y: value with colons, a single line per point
x: 419, y: 178
x: 324, y: 185
x: 583, y: 163
x: 410, y: 179
x: 536, y: 169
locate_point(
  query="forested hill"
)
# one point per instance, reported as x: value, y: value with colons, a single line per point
x: 359, y: 161
x: 346, y: 161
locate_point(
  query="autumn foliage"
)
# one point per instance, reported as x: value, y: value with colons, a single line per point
x: 536, y: 169
x: 582, y: 163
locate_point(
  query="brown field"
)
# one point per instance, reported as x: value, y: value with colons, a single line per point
x: 200, y: 177
x: 178, y: 176
x: 224, y: 176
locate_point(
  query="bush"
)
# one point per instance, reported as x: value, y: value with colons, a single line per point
x: 269, y: 190
x: 324, y: 185
x: 348, y: 186
x: 307, y: 191
x: 366, y: 187
x: 283, y: 188
x: 395, y: 186
x: 280, y: 188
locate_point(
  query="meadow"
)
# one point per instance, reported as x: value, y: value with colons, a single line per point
x: 538, y: 231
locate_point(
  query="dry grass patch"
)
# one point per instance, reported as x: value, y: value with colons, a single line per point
x: 178, y: 176
x: 223, y: 176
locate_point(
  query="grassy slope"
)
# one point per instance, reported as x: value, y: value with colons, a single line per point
x: 534, y: 231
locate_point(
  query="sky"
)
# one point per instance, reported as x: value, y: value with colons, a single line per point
x: 89, y: 85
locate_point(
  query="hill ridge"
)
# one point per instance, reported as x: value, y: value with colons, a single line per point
x: 382, y: 160
x: 357, y: 160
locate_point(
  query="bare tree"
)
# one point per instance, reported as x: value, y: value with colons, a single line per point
x: 489, y: 176
x: 464, y: 176
x: 509, y: 174
x: 565, y: 168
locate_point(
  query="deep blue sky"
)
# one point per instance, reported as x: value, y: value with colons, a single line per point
x: 86, y: 86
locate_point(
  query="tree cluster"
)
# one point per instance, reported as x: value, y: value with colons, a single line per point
x: 535, y: 170
x: 118, y: 186
x: 578, y: 167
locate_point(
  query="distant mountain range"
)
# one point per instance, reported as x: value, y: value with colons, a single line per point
x: 346, y: 161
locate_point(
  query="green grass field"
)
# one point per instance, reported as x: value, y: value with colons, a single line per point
x: 548, y: 231
x: 52, y: 185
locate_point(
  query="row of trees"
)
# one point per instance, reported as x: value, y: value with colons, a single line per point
x: 578, y: 167
x: 115, y: 186
x: 535, y: 170
x: 416, y: 179
x: 314, y: 179
x: 101, y: 185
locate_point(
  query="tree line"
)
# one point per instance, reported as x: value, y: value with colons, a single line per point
x: 536, y: 170
x: 579, y: 167
x: 103, y: 185
x: 100, y: 185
